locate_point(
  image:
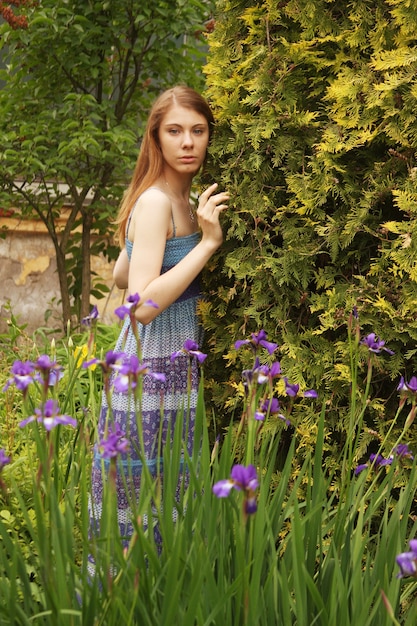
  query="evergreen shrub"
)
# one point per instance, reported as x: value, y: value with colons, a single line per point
x: 316, y: 136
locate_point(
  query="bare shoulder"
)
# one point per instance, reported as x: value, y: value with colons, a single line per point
x: 152, y: 207
x: 154, y: 196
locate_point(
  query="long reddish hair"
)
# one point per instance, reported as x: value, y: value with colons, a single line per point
x: 150, y: 163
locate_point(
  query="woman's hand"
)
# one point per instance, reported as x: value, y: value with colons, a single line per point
x: 150, y: 229
x: 209, y: 208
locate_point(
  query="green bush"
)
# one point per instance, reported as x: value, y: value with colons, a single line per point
x: 316, y: 137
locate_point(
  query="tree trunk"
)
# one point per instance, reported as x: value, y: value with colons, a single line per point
x: 63, y: 285
x: 86, y: 262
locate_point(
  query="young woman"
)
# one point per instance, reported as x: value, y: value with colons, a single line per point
x: 166, y: 243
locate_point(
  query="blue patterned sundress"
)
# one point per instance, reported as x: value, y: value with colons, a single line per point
x: 161, y: 401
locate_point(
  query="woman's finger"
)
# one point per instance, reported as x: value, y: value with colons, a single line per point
x: 207, y: 192
x: 215, y: 200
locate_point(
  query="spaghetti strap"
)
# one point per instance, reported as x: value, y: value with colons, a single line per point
x: 129, y: 220
x: 174, y: 228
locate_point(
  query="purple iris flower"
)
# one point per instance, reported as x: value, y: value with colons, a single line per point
x: 49, y: 416
x: 4, y: 459
x: 403, y: 451
x: 45, y: 365
x: 266, y: 373
x: 310, y: 393
x: 190, y: 349
x: 132, y: 303
x: 222, y: 488
x: 250, y: 505
x: 272, y: 407
x: 48, y: 371
x: 257, y: 340
x: 376, y: 460
x: 22, y: 375
x: 275, y: 370
x: 129, y: 371
x: 128, y: 309
x: 249, y: 375
x: 379, y: 461
x: 375, y: 344
x: 291, y: 389
x: 360, y: 468
x: 242, y: 479
x: 91, y: 319
x: 262, y: 373
x: 54, y: 377
x: 110, y: 361
x: 245, y: 478
x: 408, y: 388
x: 114, y: 444
x: 407, y: 561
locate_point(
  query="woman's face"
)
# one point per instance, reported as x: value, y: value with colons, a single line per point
x: 183, y: 138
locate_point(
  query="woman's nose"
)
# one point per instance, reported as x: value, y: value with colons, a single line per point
x: 187, y: 139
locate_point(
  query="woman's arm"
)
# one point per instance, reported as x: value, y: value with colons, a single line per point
x: 150, y: 228
x: 121, y: 270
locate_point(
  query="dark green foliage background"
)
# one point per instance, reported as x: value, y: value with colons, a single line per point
x: 316, y: 139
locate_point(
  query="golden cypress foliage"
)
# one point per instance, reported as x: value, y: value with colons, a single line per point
x: 316, y: 106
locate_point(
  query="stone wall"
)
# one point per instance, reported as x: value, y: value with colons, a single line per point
x: 28, y: 279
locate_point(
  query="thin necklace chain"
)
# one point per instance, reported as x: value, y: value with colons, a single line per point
x: 190, y: 211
